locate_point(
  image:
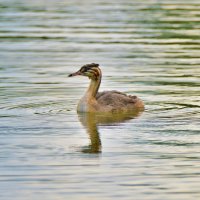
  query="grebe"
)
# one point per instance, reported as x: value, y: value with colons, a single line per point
x: 107, y: 101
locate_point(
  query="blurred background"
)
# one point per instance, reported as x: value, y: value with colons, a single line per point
x: 145, y: 48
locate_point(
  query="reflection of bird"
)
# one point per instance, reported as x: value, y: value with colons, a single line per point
x: 108, y: 101
x: 91, y: 121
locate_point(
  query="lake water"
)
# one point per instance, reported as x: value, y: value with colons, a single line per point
x: 146, y: 48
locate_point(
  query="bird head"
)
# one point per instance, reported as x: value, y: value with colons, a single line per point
x: 92, y: 71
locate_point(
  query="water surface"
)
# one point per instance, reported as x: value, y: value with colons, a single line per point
x: 150, y: 49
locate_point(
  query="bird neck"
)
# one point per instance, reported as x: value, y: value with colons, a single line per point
x: 93, y: 87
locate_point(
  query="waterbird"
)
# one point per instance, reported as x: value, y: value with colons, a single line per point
x: 107, y: 101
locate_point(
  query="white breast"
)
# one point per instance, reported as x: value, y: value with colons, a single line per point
x: 82, y: 106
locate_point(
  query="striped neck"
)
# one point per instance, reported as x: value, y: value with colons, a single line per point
x: 93, y: 87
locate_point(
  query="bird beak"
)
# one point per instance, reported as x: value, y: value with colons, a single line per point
x: 75, y: 74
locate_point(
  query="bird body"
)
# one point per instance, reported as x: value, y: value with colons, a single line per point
x: 107, y: 101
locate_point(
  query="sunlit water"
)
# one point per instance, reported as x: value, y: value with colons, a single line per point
x: 147, y: 48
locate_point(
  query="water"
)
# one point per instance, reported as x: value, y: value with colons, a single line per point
x: 148, y: 48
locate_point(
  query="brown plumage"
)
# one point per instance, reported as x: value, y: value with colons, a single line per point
x: 107, y: 101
